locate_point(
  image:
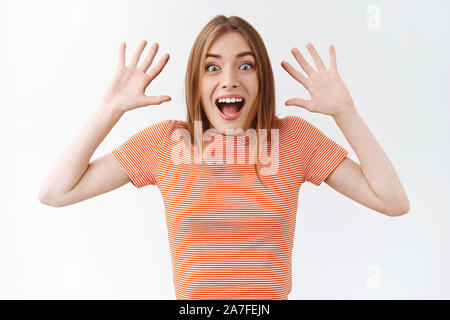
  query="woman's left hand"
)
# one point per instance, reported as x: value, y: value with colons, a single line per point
x: 329, y: 95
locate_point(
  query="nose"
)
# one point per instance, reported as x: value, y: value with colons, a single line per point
x: 230, y: 79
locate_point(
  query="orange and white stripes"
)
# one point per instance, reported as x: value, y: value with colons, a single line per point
x: 230, y: 237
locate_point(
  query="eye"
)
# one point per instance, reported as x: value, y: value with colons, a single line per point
x: 213, y: 65
x: 249, y: 64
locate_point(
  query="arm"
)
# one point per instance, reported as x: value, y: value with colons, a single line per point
x: 73, y: 178
x: 375, y: 183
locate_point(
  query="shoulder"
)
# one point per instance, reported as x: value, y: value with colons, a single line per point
x: 166, y: 126
x: 293, y: 124
x: 159, y: 131
x: 301, y: 132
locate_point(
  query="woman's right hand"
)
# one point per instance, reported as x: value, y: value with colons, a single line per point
x: 127, y: 90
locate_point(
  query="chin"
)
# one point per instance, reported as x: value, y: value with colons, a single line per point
x: 234, y: 127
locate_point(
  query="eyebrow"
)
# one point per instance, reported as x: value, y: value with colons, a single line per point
x: 242, y: 54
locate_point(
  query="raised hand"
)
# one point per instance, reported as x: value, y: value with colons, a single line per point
x: 329, y: 95
x: 127, y: 90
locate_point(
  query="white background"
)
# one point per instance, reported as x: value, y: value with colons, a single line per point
x: 56, y: 61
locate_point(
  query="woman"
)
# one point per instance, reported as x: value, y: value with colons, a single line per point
x: 230, y: 223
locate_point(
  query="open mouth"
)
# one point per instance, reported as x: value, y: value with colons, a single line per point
x: 230, y: 110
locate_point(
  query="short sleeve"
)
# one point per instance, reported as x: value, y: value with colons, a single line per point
x: 319, y: 154
x: 138, y: 155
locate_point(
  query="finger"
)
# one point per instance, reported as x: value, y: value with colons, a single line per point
x: 156, y: 70
x: 303, y: 63
x: 150, y: 56
x: 333, y: 64
x: 317, y: 60
x: 137, y: 54
x: 294, y: 73
x: 306, y: 104
x: 122, y: 54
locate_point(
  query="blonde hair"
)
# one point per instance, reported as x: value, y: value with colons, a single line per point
x: 265, y: 101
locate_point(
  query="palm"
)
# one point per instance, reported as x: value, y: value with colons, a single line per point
x: 329, y: 95
x: 127, y: 90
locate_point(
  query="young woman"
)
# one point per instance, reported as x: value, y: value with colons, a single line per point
x: 230, y: 223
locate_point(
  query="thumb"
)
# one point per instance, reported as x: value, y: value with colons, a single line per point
x: 306, y: 104
x: 152, y: 100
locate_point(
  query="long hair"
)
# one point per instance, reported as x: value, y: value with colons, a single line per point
x: 265, y: 101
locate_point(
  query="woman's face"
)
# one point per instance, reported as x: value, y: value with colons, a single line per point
x: 227, y: 72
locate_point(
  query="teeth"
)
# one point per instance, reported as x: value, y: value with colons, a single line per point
x: 229, y: 100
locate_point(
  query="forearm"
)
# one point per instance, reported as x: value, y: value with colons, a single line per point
x: 375, y: 165
x: 74, y: 160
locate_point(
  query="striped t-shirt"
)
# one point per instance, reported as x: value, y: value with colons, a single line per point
x: 230, y: 236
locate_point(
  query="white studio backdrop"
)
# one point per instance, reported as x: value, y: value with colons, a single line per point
x: 57, y: 59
